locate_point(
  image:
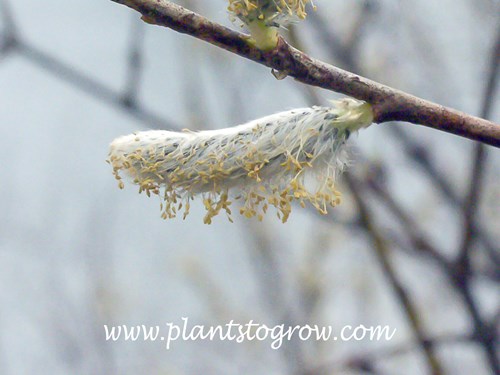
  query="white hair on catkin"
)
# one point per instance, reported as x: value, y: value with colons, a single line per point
x: 293, y: 155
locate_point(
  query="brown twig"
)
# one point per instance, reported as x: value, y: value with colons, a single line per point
x: 381, y: 251
x: 412, y: 228
x: 459, y: 273
x: 471, y: 201
x: 345, y: 54
x: 485, y: 333
x: 388, y: 104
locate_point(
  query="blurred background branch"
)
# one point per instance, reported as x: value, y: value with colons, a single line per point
x: 295, y: 280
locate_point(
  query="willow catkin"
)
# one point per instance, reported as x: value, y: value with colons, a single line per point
x: 271, y: 161
x: 273, y: 12
x: 264, y: 17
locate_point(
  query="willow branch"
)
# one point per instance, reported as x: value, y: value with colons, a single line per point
x: 388, y: 103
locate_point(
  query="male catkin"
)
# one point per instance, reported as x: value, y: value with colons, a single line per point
x: 271, y: 161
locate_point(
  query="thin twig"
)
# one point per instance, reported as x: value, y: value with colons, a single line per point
x: 388, y: 104
x: 382, y: 252
x: 135, y: 63
x: 415, y: 151
x: 90, y: 85
x: 9, y: 36
x: 10, y: 41
x: 418, y: 153
x: 418, y: 240
x: 472, y: 199
x: 386, y: 353
x: 338, y: 51
x: 9, y: 25
x: 485, y: 333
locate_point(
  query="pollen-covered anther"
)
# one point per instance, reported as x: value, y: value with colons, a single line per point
x: 273, y: 161
x: 272, y: 11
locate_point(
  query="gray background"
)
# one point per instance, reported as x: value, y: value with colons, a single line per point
x: 77, y: 253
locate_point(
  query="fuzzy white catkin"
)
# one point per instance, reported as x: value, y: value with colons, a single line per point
x: 292, y: 155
